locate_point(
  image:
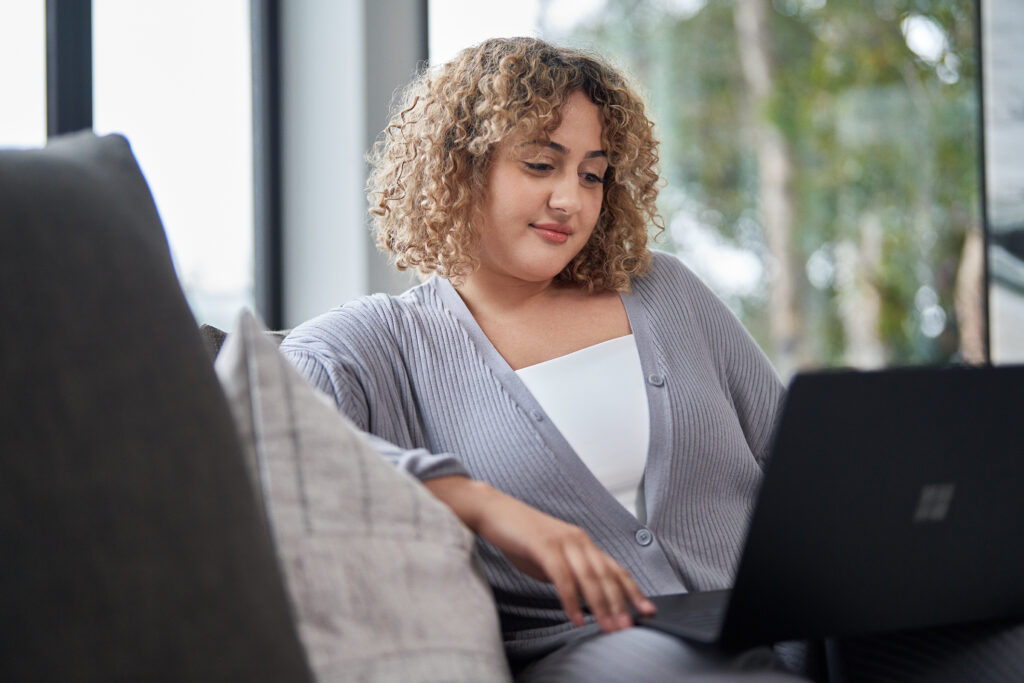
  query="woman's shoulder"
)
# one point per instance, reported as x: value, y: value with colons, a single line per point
x: 671, y: 285
x: 669, y: 270
x: 370, y: 321
x: 662, y: 263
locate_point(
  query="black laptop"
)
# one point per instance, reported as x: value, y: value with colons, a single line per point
x: 893, y: 500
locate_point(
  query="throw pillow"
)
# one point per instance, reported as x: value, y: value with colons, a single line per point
x: 381, y: 574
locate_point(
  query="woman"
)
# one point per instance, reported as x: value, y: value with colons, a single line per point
x: 524, y: 177
x: 588, y: 408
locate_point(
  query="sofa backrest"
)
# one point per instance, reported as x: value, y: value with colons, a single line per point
x: 131, y: 543
x: 214, y: 338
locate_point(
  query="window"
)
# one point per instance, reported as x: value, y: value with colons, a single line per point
x: 1004, y: 138
x: 175, y: 79
x: 23, y: 73
x: 821, y: 161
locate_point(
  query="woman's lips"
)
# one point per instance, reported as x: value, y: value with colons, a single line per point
x: 557, y: 233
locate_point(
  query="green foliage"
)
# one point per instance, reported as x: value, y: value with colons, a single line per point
x: 874, y: 130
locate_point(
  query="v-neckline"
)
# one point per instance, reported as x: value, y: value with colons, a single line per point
x: 458, y: 306
x: 518, y: 391
x: 578, y: 352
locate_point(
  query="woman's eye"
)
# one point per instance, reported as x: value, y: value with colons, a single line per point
x: 592, y: 178
x: 538, y: 166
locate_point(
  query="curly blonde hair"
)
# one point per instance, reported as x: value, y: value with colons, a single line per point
x: 429, y: 170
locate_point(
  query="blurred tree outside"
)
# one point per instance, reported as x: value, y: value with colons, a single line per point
x: 821, y: 165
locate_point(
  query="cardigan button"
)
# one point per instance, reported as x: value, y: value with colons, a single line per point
x: 644, y: 537
x: 537, y: 415
x: 656, y: 380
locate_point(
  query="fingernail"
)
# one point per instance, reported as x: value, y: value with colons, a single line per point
x: 623, y: 621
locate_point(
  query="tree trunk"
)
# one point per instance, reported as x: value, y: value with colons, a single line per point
x: 859, y: 300
x: 969, y: 297
x: 775, y: 171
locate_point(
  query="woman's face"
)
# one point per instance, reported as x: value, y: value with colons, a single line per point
x: 543, y: 197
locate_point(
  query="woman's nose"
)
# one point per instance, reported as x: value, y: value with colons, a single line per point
x: 565, y: 195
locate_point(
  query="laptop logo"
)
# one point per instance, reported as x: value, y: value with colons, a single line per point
x: 933, y: 504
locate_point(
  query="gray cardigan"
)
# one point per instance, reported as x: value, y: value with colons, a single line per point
x: 417, y: 373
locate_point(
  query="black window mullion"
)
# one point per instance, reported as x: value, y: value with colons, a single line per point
x: 266, y: 159
x: 986, y: 306
x: 68, y: 66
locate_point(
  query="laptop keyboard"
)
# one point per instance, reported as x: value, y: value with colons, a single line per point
x: 704, y: 620
x: 697, y: 615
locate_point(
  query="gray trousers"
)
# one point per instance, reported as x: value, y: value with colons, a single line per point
x: 991, y: 652
x: 641, y: 655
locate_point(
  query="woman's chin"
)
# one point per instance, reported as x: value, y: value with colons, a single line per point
x: 528, y: 267
x: 537, y: 273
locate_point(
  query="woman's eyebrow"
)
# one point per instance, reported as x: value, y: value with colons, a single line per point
x: 562, y: 149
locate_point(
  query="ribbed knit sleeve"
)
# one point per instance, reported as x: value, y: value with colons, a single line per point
x: 752, y: 383
x: 349, y: 354
x: 712, y: 395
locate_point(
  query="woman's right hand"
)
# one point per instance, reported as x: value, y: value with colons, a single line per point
x: 547, y: 549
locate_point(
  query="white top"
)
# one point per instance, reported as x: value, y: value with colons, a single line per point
x: 597, y: 398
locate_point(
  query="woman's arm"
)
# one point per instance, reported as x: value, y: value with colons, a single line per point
x: 541, y: 546
x: 546, y: 549
x: 753, y: 384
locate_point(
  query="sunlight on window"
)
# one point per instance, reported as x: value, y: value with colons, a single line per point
x: 23, y: 73
x: 175, y: 79
x: 924, y: 37
x: 455, y: 24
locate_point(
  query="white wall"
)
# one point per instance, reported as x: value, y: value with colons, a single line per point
x: 322, y: 135
x: 336, y: 90
x: 1003, y: 26
x: 392, y: 59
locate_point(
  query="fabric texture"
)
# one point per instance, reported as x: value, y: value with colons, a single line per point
x: 417, y: 373
x: 644, y: 655
x: 214, y: 338
x: 132, y: 546
x: 983, y: 652
x: 381, y: 573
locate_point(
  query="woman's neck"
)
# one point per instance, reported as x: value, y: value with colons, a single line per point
x: 485, y: 292
x: 531, y: 322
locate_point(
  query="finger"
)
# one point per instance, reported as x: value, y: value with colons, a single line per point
x: 640, y: 601
x: 612, y: 582
x: 590, y: 582
x: 561, y: 576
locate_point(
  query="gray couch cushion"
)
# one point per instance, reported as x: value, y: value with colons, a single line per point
x: 382, y: 574
x: 214, y: 337
x: 132, y: 545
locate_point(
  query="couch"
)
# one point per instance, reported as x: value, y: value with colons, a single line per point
x: 162, y: 518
